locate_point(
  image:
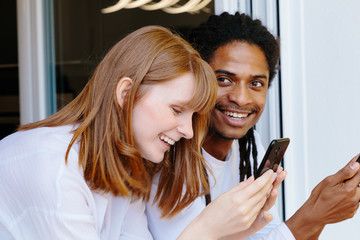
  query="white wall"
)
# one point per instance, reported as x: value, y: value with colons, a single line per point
x: 320, y: 69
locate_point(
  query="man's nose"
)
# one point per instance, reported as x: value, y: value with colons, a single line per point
x: 240, y: 94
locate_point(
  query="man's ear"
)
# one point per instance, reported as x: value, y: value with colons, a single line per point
x: 122, y: 89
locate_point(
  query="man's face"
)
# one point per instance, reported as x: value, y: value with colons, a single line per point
x: 243, y: 77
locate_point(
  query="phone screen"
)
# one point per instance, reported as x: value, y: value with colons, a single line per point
x: 273, y: 156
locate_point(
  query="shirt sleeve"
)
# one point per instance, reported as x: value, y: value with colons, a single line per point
x: 50, y: 225
x: 42, y: 198
x: 170, y: 228
x: 280, y: 232
x: 135, y: 225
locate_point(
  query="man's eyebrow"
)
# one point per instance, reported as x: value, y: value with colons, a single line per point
x: 225, y: 72
x: 259, y: 76
x: 233, y: 74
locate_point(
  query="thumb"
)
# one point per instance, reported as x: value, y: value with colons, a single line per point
x: 347, y: 172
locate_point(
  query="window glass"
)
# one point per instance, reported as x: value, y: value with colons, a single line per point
x: 9, y: 73
x: 83, y: 34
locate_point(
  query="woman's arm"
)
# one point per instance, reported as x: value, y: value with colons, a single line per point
x: 234, y: 211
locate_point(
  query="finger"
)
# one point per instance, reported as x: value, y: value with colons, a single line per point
x: 251, y: 188
x: 254, y: 203
x: 260, y: 187
x: 279, y: 179
x: 346, y: 172
x: 264, y: 198
x: 263, y: 219
x: 268, y: 176
x: 257, y: 206
x: 279, y: 170
x: 357, y: 194
x: 267, y: 180
x: 355, y: 180
x: 242, y: 185
x: 266, y: 218
x: 271, y: 200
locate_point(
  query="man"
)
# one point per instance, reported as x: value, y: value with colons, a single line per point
x: 244, y: 54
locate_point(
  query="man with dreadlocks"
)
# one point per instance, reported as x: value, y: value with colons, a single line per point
x: 244, y: 56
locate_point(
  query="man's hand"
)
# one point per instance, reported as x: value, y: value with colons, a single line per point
x: 334, y: 199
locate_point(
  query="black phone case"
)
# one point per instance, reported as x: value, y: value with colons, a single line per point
x: 358, y: 159
x: 273, y: 156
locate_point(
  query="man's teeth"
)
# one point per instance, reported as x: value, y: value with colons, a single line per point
x: 168, y: 140
x: 236, y: 115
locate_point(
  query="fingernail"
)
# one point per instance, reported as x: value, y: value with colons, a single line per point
x: 274, y: 176
x: 354, y: 165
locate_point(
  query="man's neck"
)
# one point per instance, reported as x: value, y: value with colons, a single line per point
x: 217, y: 147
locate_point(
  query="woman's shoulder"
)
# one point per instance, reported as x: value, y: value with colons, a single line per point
x: 35, y: 173
x: 38, y: 140
x: 33, y: 161
x: 46, y: 134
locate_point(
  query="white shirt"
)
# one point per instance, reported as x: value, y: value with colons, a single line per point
x: 41, y: 197
x: 226, y: 174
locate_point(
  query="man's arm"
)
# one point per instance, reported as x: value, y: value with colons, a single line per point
x: 334, y: 199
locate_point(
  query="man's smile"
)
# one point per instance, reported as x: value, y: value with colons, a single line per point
x: 236, y: 115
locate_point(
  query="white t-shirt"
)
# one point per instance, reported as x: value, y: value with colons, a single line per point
x: 41, y: 197
x: 226, y: 174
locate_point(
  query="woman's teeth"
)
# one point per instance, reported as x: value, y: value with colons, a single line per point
x: 167, y: 140
x: 236, y: 115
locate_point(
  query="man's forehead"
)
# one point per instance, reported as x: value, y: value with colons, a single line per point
x: 237, y: 56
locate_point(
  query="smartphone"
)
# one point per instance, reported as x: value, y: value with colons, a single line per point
x: 273, y: 156
x: 358, y: 159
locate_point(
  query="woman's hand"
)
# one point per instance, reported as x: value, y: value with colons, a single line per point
x: 234, y: 211
x: 264, y: 217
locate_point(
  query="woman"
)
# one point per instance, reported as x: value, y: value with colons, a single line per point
x: 74, y: 174
x: 84, y: 172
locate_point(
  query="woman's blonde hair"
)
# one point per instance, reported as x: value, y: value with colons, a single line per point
x: 110, y: 162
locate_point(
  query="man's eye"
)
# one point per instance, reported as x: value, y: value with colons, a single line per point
x: 223, y: 80
x: 257, y: 84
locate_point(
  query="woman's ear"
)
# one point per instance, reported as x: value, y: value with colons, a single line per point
x: 122, y: 89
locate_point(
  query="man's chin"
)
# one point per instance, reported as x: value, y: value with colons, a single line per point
x: 229, y: 136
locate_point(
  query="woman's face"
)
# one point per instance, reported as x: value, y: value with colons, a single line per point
x: 160, y: 117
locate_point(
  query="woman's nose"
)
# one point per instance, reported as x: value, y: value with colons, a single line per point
x: 185, y: 127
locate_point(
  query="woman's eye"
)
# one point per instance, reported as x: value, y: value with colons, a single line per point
x: 176, y: 111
